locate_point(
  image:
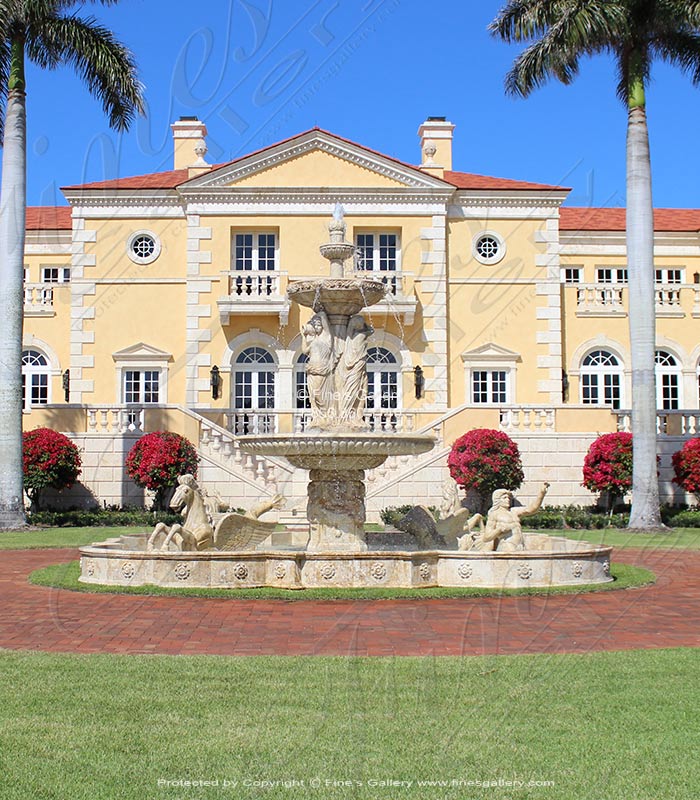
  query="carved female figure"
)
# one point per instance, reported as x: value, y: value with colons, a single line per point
x: 351, y: 376
x: 317, y: 344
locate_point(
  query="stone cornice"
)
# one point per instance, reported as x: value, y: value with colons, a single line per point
x: 316, y: 140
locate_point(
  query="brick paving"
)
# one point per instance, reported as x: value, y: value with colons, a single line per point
x: 39, y: 618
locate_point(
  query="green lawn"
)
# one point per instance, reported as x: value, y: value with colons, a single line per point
x: 58, y: 537
x: 605, y: 726
x: 685, y: 538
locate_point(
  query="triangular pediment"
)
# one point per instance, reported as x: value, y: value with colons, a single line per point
x: 490, y: 352
x: 315, y: 159
x: 141, y: 352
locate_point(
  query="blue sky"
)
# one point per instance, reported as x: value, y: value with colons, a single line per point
x: 257, y: 71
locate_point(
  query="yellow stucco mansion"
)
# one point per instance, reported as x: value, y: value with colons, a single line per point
x: 159, y: 301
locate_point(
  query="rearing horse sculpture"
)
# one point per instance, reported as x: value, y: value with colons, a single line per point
x: 195, y: 533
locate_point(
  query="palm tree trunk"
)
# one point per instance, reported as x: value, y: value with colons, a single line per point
x: 12, y: 226
x: 645, y: 513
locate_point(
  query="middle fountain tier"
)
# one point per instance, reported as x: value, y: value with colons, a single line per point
x: 337, y: 445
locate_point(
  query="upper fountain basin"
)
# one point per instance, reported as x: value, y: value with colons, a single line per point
x: 342, y: 296
x: 337, y: 451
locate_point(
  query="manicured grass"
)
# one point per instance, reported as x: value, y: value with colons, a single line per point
x: 675, y: 538
x: 58, y: 537
x: 65, y: 576
x: 605, y: 725
x: 683, y: 538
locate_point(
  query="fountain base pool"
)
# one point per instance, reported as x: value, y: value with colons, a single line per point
x: 547, y: 561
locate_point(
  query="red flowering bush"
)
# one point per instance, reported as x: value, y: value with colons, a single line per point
x: 484, y: 460
x: 157, y: 459
x: 608, y: 465
x: 50, y: 460
x: 686, y: 465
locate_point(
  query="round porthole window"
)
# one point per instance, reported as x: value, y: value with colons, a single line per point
x: 143, y: 247
x: 488, y: 247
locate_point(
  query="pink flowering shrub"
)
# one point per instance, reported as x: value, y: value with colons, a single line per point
x: 484, y: 460
x: 608, y: 465
x: 686, y: 465
x: 157, y: 459
x: 49, y: 460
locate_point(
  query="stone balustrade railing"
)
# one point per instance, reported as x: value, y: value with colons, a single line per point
x: 610, y: 299
x: 115, y: 419
x: 528, y: 418
x: 38, y: 296
x: 668, y: 423
x: 254, y: 284
x: 600, y: 298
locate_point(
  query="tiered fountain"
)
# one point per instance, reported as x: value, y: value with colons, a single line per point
x: 336, y: 448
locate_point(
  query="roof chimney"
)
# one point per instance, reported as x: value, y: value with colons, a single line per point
x: 188, y: 144
x: 436, y: 145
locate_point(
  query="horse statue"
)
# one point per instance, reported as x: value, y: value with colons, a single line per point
x: 196, y: 532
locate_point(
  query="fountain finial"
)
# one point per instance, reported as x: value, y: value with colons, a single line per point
x: 337, y: 250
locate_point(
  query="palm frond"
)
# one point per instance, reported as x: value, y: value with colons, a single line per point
x: 578, y: 29
x: 523, y: 20
x: 106, y: 66
x: 682, y: 49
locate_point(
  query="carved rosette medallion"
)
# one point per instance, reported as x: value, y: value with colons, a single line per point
x: 465, y: 571
x: 327, y: 571
x: 280, y: 572
x: 378, y: 571
x: 182, y: 571
x: 524, y: 571
x: 128, y: 570
x: 606, y: 567
x: 577, y: 569
x: 240, y: 572
x: 424, y: 571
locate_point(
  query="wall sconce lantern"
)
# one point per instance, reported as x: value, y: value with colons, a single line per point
x: 418, y: 381
x: 696, y: 277
x: 65, y: 382
x: 564, y: 386
x: 215, y: 382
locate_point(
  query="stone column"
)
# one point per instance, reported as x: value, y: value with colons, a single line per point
x: 336, y: 510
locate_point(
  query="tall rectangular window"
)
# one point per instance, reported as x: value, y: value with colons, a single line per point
x: 141, y: 386
x: 489, y: 386
x: 377, y: 251
x: 254, y: 251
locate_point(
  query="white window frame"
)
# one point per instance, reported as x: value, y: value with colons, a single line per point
x: 29, y: 370
x: 490, y: 358
x: 492, y: 376
x: 144, y: 359
x: 62, y: 273
x: 498, y: 256
x: 255, y: 233
x: 575, y: 271
x: 618, y: 275
x: 142, y: 370
x: 672, y: 371
x: 375, y: 264
x: 600, y: 371
x: 668, y: 275
x: 376, y: 368
x: 143, y: 260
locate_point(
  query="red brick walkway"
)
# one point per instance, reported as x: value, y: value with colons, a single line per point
x: 664, y: 615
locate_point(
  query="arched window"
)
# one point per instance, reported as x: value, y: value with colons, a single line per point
x: 382, y: 388
x: 601, y: 379
x: 254, y: 391
x: 35, y: 379
x: 668, y: 380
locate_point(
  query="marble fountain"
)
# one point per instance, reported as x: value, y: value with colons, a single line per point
x: 231, y: 551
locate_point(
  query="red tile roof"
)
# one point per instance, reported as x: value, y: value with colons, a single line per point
x: 50, y: 218
x: 465, y: 180
x: 153, y: 180
x: 613, y: 219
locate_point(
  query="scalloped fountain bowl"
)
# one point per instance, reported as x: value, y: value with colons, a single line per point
x: 337, y: 451
x: 338, y: 296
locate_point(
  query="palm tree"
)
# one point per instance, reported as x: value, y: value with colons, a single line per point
x: 634, y: 33
x: 49, y: 34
